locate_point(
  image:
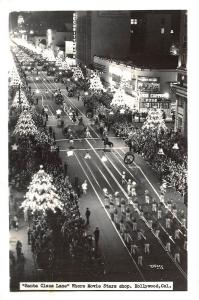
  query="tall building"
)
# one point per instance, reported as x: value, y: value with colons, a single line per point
x: 180, y: 89
x: 154, y: 32
x: 102, y: 33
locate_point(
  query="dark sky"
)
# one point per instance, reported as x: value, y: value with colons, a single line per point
x: 51, y: 18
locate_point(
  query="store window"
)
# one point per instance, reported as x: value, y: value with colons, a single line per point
x: 134, y: 21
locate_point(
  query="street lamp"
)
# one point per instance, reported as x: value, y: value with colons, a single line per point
x: 175, y: 146
x: 160, y: 151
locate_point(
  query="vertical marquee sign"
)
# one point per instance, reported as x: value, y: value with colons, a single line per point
x: 74, y: 33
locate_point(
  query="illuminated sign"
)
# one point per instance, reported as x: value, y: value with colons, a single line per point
x: 68, y: 47
x: 148, y: 79
x: 74, y: 34
x: 147, y: 95
x: 49, y: 37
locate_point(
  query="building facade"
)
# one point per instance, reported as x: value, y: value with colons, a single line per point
x: 180, y: 89
x: 102, y: 33
x: 154, y: 32
x: 145, y: 88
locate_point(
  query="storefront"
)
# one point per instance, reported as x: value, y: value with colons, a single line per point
x: 148, y: 84
x: 148, y: 101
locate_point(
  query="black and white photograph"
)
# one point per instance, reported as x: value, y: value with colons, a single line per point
x: 97, y: 150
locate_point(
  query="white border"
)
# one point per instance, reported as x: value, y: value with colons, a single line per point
x: 14, y: 5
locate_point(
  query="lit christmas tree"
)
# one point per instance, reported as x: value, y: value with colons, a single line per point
x: 42, y: 195
x: 155, y: 121
x: 118, y: 98
x: 21, y: 102
x: 25, y: 126
x: 77, y: 73
x: 49, y: 55
x: 95, y: 83
x: 58, y: 62
x: 15, y: 79
x: 65, y: 65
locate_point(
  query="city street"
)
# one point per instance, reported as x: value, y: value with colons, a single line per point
x: 80, y: 210
x: 119, y: 263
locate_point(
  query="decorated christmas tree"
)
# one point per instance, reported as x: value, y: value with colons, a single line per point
x: 15, y: 79
x: 25, y: 126
x: 154, y: 121
x: 118, y: 98
x: 20, y: 101
x: 49, y: 55
x: 95, y: 83
x: 65, y: 65
x: 42, y: 195
x: 77, y: 73
x: 58, y: 62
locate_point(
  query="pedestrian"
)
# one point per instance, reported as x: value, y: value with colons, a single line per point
x: 154, y: 205
x: 123, y: 177
x: 15, y: 223
x: 133, y: 248
x: 159, y: 212
x: 29, y: 232
x: 168, y: 222
x: 87, y: 214
x: 177, y: 234
x: 168, y: 246
x: 129, y: 187
x: 134, y: 223
x: 46, y: 116
x: 146, y: 247
x: 140, y: 260
x: 37, y: 100
x: 84, y: 187
x: 96, y: 235
x: 18, y: 248
x: 177, y: 255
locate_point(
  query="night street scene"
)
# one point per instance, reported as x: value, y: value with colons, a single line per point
x: 97, y: 135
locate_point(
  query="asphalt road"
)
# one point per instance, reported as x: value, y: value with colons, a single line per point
x: 119, y: 264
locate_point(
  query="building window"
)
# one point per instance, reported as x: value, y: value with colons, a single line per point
x: 162, y: 30
x: 134, y: 21
x: 171, y: 31
x: 180, y: 103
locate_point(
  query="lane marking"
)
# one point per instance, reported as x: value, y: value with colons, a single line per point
x: 145, y: 221
x: 110, y: 218
x: 155, y: 190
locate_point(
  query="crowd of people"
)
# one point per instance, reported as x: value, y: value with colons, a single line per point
x: 60, y: 236
x: 171, y: 165
x: 141, y: 219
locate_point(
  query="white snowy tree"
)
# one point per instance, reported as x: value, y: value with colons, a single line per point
x: 77, y: 73
x: 95, y: 83
x: 118, y: 98
x: 20, y: 101
x: 25, y: 126
x: 155, y: 121
x: 42, y: 194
